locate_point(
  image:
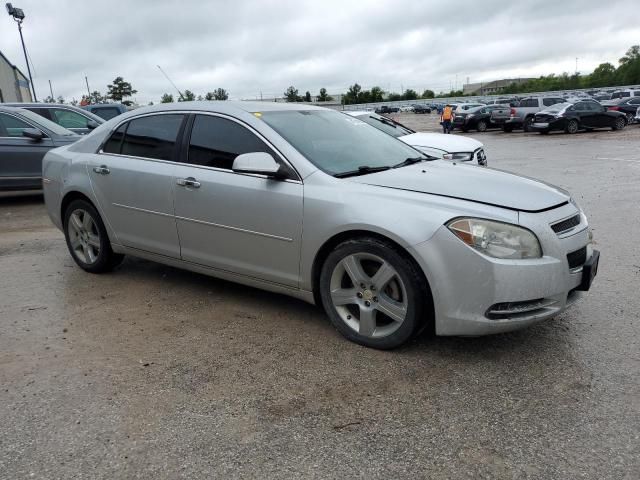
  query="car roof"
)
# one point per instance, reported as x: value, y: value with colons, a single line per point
x: 223, y: 106
x: 53, y: 105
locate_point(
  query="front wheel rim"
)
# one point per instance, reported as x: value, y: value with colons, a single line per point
x: 368, y: 294
x: 84, y: 236
x: 573, y: 127
x: 619, y: 124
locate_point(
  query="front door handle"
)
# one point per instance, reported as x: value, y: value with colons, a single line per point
x: 188, y: 182
x: 102, y: 170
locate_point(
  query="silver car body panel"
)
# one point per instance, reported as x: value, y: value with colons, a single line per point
x: 267, y: 233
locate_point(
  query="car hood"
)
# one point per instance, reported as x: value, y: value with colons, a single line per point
x: 449, y: 143
x: 467, y: 182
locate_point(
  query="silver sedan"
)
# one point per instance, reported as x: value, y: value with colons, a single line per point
x: 321, y: 206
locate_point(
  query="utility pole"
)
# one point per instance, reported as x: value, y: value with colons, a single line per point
x: 51, y: 90
x: 88, y: 89
x: 18, y: 16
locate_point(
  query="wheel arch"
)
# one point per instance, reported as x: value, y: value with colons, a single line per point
x: 330, y: 244
x: 70, y: 197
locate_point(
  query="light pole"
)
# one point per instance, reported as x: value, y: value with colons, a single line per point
x: 18, y: 16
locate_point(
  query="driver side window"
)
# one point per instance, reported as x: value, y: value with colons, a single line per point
x: 10, y: 126
x: 216, y: 142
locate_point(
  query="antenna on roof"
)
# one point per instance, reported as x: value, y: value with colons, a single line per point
x: 174, y: 85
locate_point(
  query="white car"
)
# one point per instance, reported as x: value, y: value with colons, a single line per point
x: 638, y: 115
x: 406, y: 108
x: 439, y: 145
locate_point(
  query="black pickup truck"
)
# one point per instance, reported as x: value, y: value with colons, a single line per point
x: 386, y: 109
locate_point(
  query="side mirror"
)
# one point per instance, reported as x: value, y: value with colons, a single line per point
x: 33, y: 134
x: 261, y: 163
x: 91, y: 124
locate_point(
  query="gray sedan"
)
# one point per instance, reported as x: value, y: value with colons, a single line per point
x: 25, y: 137
x: 321, y: 206
x: 72, y: 118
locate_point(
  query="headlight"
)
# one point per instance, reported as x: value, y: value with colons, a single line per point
x: 471, y: 115
x: 462, y: 156
x: 496, y: 239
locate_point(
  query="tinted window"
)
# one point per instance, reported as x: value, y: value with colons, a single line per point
x: 115, y: 140
x: 580, y: 107
x: 11, y: 126
x: 152, y: 137
x: 216, y: 142
x: 592, y: 107
x: 635, y: 101
x: 625, y: 94
x: 68, y: 118
x: 43, y: 112
x: 529, y: 102
x: 549, y: 101
x: 107, y: 113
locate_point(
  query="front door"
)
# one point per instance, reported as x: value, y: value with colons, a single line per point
x: 132, y: 179
x: 20, y: 157
x: 246, y: 224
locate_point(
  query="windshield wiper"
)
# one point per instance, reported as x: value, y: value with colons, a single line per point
x: 410, y: 161
x: 362, y: 170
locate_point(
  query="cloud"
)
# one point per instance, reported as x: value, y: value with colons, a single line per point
x: 251, y: 47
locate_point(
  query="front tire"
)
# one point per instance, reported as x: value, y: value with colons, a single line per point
x: 87, y: 238
x: 482, y: 126
x: 373, y: 294
x: 572, y: 126
x: 507, y: 128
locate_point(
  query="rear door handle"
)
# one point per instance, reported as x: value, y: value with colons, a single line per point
x: 188, y: 182
x: 102, y: 170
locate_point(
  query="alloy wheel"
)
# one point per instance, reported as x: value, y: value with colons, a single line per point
x: 572, y: 127
x: 84, y: 236
x: 368, y: 295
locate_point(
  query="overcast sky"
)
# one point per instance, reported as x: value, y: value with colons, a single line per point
x: 253, y: 46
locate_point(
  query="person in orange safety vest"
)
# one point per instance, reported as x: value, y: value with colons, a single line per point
x: 446, y: 118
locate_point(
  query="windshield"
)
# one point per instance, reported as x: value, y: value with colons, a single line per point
x: 386, y: 125
x: 337, y: 143
x: 43, y: 122
x: 558, y: 107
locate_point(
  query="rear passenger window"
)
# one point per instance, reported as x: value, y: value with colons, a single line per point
x: 547, y: 102
x: 216, y: 142
x: 114, y: 143
x: 152, y: 137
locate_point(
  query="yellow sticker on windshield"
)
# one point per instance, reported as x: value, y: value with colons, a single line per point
x: 257, y: 114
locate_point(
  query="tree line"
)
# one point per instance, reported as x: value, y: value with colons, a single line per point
x: 605, y: 75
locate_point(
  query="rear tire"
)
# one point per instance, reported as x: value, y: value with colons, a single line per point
x: 527, y: 124
x: 630, y: 118
x: 87, y: 238
x: 619, y: 124
x: 373, y: 294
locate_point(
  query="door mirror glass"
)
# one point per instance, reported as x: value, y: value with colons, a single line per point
x: 33, y: 133
x: 257, y: 162
x: 91, y: 124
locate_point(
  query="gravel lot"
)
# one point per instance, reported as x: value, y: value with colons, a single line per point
x: 152, y: 372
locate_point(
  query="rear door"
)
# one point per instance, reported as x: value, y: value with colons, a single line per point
x: 241, y: 223
x: 132, y: 177
x: 20, y: 157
